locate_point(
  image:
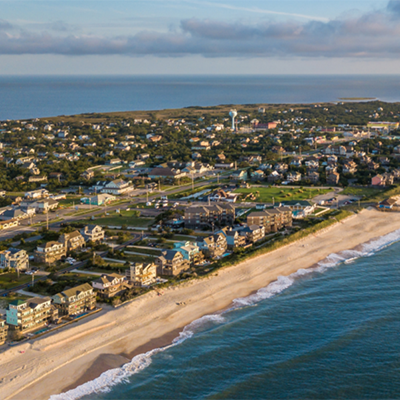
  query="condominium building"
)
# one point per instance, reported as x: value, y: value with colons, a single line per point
x: 213, y: 246
x: 49, y: 252
x: 109, y: 285
x: 26, y: 315
x: 197, y: 217
x: 190, y: 251
x: 93, y: 233
x: 75, y: 300
x: 14, y: 258
x: 3, y: 331
x: 271, y: 219
x: 141, y: 274
x: 253, y: 233
x: 72, y: 241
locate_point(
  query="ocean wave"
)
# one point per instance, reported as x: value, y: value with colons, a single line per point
x: 112, y: 377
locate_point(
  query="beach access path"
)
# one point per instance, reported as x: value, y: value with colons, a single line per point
x: 61, y: 361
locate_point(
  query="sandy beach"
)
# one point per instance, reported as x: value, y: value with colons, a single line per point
x: 81, y: 352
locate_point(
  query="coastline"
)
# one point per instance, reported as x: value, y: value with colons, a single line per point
x: 152, y: 322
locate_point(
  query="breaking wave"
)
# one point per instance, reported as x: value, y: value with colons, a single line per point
x: 112, y: 377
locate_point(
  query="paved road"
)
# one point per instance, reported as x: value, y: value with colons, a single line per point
x: 5, y: 293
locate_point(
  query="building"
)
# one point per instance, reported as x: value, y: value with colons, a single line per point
x: 92, y: 233
x: 98, y: 200
x: 197, y: 217
x: 72, y: 241
x: 3, y: 331
x: 166, y: 173
x: 233, y: 238
x: 109, y: 285
x: 50, y: 252
x: 293, y: 176
x: 40, y: 206
x: 26, y: 315
x: 333, y: 178
x: 14, y: 258
x: 11, y: 223
x: 382, y: 180
x: 12, y: 213
x: 141, y: 274
x: 253, y: 233
x: 271, y: 219
x: 171, y: 262
x: 306, y: 207
x: 117, y: 187
x: 213, y: 246
x: 191, y: 252
x: 388, y: 203
x: 75, y: 301
x: 37, y: 194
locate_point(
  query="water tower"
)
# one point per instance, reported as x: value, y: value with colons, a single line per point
x: 233, y: 114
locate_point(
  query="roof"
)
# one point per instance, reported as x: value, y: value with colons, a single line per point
x: 76, y: 290
x: 17, y: 302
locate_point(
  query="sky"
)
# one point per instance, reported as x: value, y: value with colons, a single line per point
x: 119, y: 37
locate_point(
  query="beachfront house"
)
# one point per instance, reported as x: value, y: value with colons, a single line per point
x: 72, y: 241
x: 213, y: 246
x: 109, y: 285
x: 171, y: 262
x: 49, y: 252
x: 14, y: 258
x: 76, y: 300
x: 141, y: 274
x: 191, y: 252
x: 92, y: 233
x: 3, y: 331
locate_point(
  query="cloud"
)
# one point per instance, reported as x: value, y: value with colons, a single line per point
x: 374, y: 34
x: 4, y: 25
x: 394, y: 6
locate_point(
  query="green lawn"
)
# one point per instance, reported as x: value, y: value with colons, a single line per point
x: 361, y: 191
x: 9, y: 280
x: 281, y: 194
x: 124, y: 218
x: 152, y: 252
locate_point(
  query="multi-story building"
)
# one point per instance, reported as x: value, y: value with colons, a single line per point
x: 26, y: 315
x: 93, y: 233
x: 49, y: 252
x: 3, y: 331
x: 209, y: 216
x: 191, y: 252
x: 233, y: 238
x: 271, y: 219
x: 14, y: 258
x: 75, y: 300
x: 141, y: 274
x: 213, y: 246
x: 171, y: 262
x: 253, y: 233
x: 109, y: 285
x: 72, y: 240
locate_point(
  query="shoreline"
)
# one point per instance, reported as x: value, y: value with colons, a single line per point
x: 132, y: 332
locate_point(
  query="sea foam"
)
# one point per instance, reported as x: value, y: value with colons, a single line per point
x: 112, y: 377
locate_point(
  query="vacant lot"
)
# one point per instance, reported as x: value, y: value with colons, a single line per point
x: 361, y: 191
x: 10, y: 280
x: 128, y: 218
x: 268, y: 194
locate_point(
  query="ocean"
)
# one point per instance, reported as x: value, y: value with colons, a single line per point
x: 328, y: 332
x: 48, y: 96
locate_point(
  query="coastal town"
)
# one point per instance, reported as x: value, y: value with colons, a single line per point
x: 98, y: 210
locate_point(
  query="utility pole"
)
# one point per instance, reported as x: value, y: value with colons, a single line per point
x: 47, y: 219
x: 218, y: 178
x: 192, y: 181
x: 273, y: 201
x: 147, y: 196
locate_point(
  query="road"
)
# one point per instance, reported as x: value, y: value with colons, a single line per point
x: 6, y: 292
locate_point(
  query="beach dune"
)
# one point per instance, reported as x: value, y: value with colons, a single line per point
x: 82, y: 351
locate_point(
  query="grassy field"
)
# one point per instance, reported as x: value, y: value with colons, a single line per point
x: 152, y: 252
x: 10, y: 280
x: 123, y: 218
x: 281, y: 194
x: 361, y: 191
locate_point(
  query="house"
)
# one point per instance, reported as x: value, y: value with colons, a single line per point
x: 40, y: 206
x: 209, y: 216
x: 338, y: 150
x: 49, y: 252
x: 306, y: 207
x: 293, y: 176
x: 171, y: 262
x: 117, y: 187
x: 3, y: 331
x: 72, y: 241
x: 37, y: 194
x: 382, y: 180
x: 76, y: 300
x: 372, y: 166
x: 25, y: 315
x: 258, y: 174
x: 253, y: 233
x: 191, y: 252
x: 388, y: 203
x: 109, y: 285
x: 233, y: 238
x: 271, y: 219
x: 12, y: 213
x: 92, y: 233
x: 238, y: 175
x: 221, y: 195
x: 98, y: 200
x: 313, y: 177
x: 166, y: 173
x: 14, y: 258
x: 88, y: 174
x: 349, y: 167
x: 297, y: 161
x: 213, y: 246
x: 141, y: 274
x: 333, y: 178
x: 274, y: 176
